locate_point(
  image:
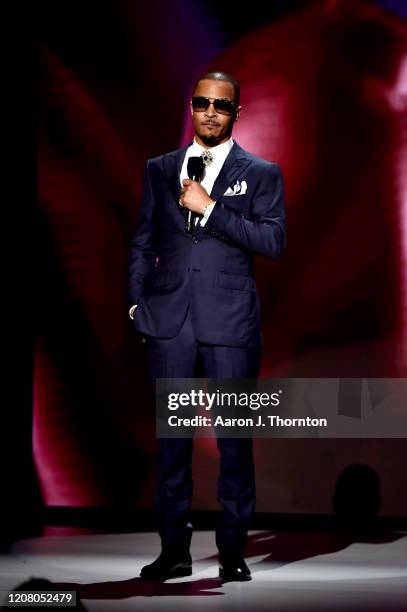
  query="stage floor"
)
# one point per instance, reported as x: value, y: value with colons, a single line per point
x: 294, y: 571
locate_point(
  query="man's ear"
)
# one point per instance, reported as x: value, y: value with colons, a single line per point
x: 191, y: 109
x: 237, y: 113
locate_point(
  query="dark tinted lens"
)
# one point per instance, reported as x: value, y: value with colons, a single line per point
x: 224, y: 106
x: 199, y: 103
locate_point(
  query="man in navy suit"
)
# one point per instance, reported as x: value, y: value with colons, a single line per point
x: 193, y: 299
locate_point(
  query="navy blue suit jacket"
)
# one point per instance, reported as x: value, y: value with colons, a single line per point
x: 212, y: 270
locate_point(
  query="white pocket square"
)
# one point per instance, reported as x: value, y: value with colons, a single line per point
x: 239, y: 188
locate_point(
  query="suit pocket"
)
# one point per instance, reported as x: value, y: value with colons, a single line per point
x: 237, y: 282
x: 234, y: 200
x: 234, y: 196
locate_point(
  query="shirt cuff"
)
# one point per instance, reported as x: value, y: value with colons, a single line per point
x: 207, y: 213
x: 131, y: 311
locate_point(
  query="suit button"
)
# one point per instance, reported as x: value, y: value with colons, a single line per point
x: 195, y: 240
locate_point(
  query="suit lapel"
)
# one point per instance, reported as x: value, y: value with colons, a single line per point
x: 172, y: 170
x: 235, y: 163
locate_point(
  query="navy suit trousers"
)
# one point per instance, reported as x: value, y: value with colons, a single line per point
x: 184, y: 357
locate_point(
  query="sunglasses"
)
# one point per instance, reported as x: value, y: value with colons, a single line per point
x: 221, y: 105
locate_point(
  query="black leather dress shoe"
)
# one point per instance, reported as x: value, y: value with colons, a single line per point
x: 168, y: 565
x: 231, y: 570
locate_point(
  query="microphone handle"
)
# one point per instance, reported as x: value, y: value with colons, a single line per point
x: 191, y: 216
x: 188, y: 223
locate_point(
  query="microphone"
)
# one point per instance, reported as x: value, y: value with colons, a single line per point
x: 195, y: 169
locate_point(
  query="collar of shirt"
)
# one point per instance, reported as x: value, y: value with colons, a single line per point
x: 220, y: 153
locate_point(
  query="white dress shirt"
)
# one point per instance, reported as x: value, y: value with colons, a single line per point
x: 220, y: 153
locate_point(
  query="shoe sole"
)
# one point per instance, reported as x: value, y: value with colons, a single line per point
x: 177, y: 572
x: 181, y: 571
x: 238, y: 578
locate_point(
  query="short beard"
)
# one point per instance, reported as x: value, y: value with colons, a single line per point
x: 209, y: 141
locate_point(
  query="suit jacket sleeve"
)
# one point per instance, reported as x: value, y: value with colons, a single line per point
x: 143, y: 251
x: 264, y: 232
